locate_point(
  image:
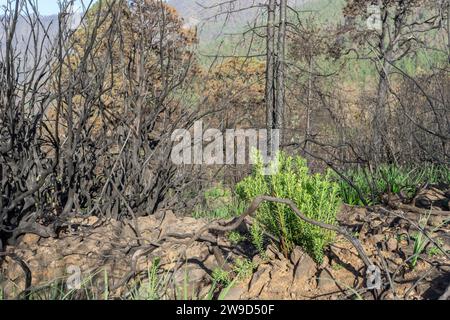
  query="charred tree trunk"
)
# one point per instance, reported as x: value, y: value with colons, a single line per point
x: 280, y: 73
x: 448, y: 29
x: 270, y: 68
x: 275, y: 69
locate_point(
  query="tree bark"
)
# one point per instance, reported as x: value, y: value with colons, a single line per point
x: 270, y: 65
x: 280, y: 74
x: 448, y: 29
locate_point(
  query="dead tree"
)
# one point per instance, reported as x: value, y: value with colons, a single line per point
x: 86, y: 113
x: 396, y: 38
x: 275, y: 64
x: 270, y: 66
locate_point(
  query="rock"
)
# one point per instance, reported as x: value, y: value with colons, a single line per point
x: 304, y: 270
x: 171, y: 224
x: 91, y: 221
x: 159, y: 215
x: 296, y: 255
x: 258, y: 260
x: 85, y: 221
x: 433, y: 197
x: 375, y: 239
x: 259, y: 280
x: 198, y: 252
x: 374, y: 224
x: 392, y: 244
x: 435, y: 221
x: 325, y: 281
x: 281, y: 265
x: 168, y: 220
x: 278, y: 286
x: 271, y: 252
x: 190, y: 279
x: 30, y: 239
x: 423, y: 202
x: 234, y: 293
x: 325, y: 262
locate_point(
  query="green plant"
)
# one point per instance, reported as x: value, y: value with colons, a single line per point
x: 153, y: 281
x: 243, y: 268
x: 236, y: 238
x: 154, y: 286
x: 433, y: 251
x: 221, y: 276
x: 257, y: 237
x: 420, y: 242
x: 372, y: 184
x: 419, y: 245
x: 223, y: 294
x: 316, y: 196
x: 219, y: 203
x: 337, y: 267
x: 402, y: 237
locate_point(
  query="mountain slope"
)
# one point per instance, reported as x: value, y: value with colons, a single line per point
x: 212, y: 20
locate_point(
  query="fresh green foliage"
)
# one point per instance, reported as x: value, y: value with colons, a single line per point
x: 257, y: 236
x: 337, y: 267
x: 219, y: 203
x: 236, y: 238
x: 58, y: 290
x: 420, y: 242
x: 222, y: 294
x: 433, y: 251
x: 388, y: 178
x: 419, y: 245
x: 154, y: 285
x: 221, y: 276
x: 316, y: 196
x: 243, y: 268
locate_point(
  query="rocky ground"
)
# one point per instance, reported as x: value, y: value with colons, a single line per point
x: 125, y: 255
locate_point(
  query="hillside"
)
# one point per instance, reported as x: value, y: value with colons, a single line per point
x: 208, y: 16
x: 212, y: 19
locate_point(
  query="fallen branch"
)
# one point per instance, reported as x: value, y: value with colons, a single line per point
x: 406, y: 207
x: 221, y: 226
x: 419, y: 228
x: 26, y: 270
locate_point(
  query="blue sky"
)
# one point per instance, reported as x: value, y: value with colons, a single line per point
x: 46, y: 7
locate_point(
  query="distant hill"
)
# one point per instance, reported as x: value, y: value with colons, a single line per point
x: 217, y: 29
x: 210, y: 18
x: 206, y: 15
x: 46, y: 32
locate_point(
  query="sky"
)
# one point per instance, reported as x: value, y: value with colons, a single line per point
x: 47, y: 7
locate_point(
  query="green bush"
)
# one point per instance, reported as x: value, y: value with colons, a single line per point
x: 316, y: 196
